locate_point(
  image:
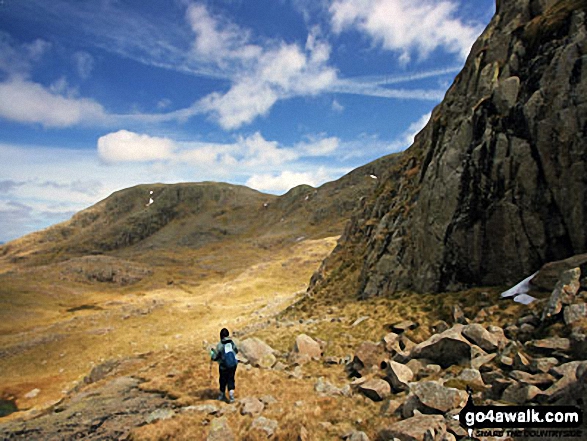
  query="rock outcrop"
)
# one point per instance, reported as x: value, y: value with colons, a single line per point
x: 494, y: 186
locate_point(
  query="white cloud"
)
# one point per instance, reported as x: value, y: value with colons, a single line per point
x: 406, y: 26
x: 125, y: 146
x: 337, y: 107
x: 319, y: 147
x: 16, y: 59
x: 84, y: 64
x: 28, y: 102
x: 282, y: 182
x: 260, y: 75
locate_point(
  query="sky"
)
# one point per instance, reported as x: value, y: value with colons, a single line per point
x: 101, y: 95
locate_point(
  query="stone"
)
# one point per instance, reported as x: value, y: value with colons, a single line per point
x: 325, y: 388
x: 220, y: 430
x: 471, y: 377
x: 33, y: 393
x: 403, y: 326
x: 369, y: 355
x: 305, y: 344
x: 520, y: 393
x: 390, y: 407
x: 265, y: 425
x: 332, y: 360
x: 355, y: 435
x: 541, y: 381
x: 481, y: 337
x: 417, y: 428
x: 204, y: 408
x: 251, y: 406
x: 267, y: 361
x: 549, y: 345
x: 359, y: 321
x: 480, y: 363
x: 389, y: 341
x: 543, y: 364
x: 376, y: 389
x: 521, y: 362
x: 398, y: 375
x: 255, y: 349
x: 550, y: 273
x: 440, y: 326
x: 568, y: 369
x: 574, y: 313
x: 458, y: 316
x: 160, y: 414
x: 446, y: 349
x: 564, y: 293
x: 435, y: 396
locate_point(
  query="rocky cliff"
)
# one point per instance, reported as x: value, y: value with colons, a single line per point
x: 495, y: 185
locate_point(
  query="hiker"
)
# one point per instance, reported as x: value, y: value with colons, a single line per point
x: 225, y: 355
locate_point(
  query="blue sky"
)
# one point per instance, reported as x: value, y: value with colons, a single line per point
x: 99, y: 95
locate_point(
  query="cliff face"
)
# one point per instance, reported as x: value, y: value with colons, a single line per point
x: 495, y: 185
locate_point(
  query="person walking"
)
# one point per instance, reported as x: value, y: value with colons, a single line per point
x: 225, y: 355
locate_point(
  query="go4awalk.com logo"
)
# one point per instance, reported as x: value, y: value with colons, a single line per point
x: 521, y: 421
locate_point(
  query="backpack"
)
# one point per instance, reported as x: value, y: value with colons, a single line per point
x: 227, y: 356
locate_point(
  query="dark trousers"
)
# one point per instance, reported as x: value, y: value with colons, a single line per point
x: 227, y: 378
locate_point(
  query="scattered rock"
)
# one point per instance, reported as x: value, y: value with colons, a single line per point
x: 458, y: 316
x: 440, y: 326
x: 390, y: 341
x: 254, y: 350
x: 390, y: 407
x: 417, y: 428
x: 522, y: 362
x: 398, y: 375
x: 447, y: 348
x: 472, y: 378
x: 204, y: 408
x: 356, y: 436
x: 564, y: 292
x: 367, y: 356
x: 520, y: 393
x: 481, y: 337
x: 324, y: 387
x: 376, y: 389
x: 480, y: 362
x: 574, y: 313
x: 403, y: 326
x: 251, y: 406
x: 539, y: 380
x: 435, y: 396
x: 543, y: 364
x: 33, y: 393
x: 306, y: 345
x: 550, y: 273
x: 266, y: 425
x: 550, y: 345
x: 359, y: 321
x: 220, y: 430
x: 160, y: 414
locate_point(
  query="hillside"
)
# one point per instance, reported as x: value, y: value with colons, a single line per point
x: 494, y: 185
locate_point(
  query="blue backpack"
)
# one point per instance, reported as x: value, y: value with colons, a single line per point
x: 227, y: 356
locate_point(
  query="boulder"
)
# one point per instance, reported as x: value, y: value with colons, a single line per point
x: 397, y: 374
x: 264, y: 425
x: 564, y: 293
x: 480, y: 363
x: 251, y: 406
x: 543, y: 364
x: 417, y: 428
x: 355, y: 435
x: 574, y: 313
x: 305, y: 344
x: 376, y: 389
x: 550, y: 273
x: 220, y: 430
x: 447, y: 348
x: 520, y: 393
x: 325, y: 388
x: 481, y: 337
x: 435, y: 396
x: 550, y: 345
x: 403, y: 326
x: 389, y: 341
x: 255, y: 349
x: 472, y: 378
x: 369, y: 355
